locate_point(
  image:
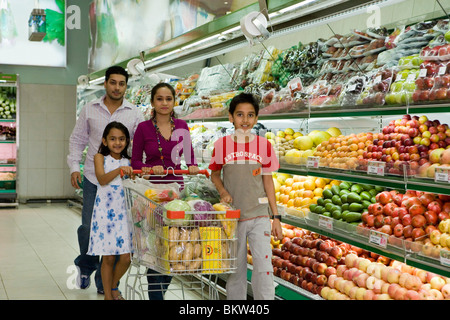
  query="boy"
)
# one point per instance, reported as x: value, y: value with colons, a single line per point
x: 247, y: 162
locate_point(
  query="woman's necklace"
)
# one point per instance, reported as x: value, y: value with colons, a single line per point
x: 158, y: 133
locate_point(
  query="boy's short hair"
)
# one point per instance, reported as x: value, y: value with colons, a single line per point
x: 244, y: 98
x: 116, y: 70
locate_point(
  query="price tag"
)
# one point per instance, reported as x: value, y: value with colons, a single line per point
x: 411, y: 77
x: 444, y: 258
x: 442, y: 70
x: 312, y: 162
x: 423, y: 73
x: 376, y: 168
x: 378, y: 238
x: 442, y: 174
x: 326, y: 222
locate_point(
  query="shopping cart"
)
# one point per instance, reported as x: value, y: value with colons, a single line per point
x: 194, y: 245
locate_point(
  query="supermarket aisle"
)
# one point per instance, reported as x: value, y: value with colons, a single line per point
x: 38, y: 243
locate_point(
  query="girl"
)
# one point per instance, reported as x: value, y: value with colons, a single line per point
x: 163, y: 139
x: 110, y: 234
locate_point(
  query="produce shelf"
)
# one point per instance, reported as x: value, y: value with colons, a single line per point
x: 397, y: 249
x: 286, y: 290
x: 346, y: 111
x: 389, y: 181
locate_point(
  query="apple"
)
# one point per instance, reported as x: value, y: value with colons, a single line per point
x: 360, y: 293
x: 437, y: 282
x: 350, y: 260
x: 369, y: 295
x: 418, y: 221
x: 393, y: 275
x: 413, y: 283
x: 416, y: 209
x: 406, y: 220
x: 412, y: 295
x: 340, y: 269
x: 347, y: 286
x: 436, y: 294
x: 446, y: 291
x: 361, y: 279
x: 435, y: 206
x: 400, y: 293
x: 392, y: 289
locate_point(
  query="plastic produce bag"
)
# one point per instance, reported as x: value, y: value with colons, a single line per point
x: 202, y: 215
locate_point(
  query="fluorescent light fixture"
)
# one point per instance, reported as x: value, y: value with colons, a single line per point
x: 232, y: 30
x: 199, y: 42
x: 297, y: 6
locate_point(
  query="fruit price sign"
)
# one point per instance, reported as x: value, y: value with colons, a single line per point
x: 445, y: 258
x: 442, y: 174
x: 376, y: 168
x: 312, y: 162
x: 326, y: 222
x: 378, y: 238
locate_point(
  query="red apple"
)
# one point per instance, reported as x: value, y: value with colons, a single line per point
x: 398, y: 230
x: 431, y: 217
x: 416, y: 209
x: 417, y: 233
x: 407, y: 231
x: 435, y: 206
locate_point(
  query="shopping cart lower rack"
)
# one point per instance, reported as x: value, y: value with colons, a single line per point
x: 198, y: 245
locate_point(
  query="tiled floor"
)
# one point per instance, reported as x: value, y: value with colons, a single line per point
x: 38, y: 243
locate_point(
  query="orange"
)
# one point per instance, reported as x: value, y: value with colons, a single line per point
x: 284, y: 198
x: 289, y: 181
x: 318, y: 192
x: 335, y: 182
x: 296, y: 185
x: 308, y: 194
x: 320, y: 183
x: 297, y: 202
x: 309, y: 185
x: 287, y: 190
x: 306, y: 202
x: 299, y: 193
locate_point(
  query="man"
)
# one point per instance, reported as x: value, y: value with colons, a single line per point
x: 88, y: 131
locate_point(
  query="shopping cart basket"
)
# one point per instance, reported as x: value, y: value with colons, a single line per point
x: 178, y: 243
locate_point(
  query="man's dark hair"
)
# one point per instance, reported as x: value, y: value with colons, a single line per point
x: 244, y: 98
x: 116, y: 70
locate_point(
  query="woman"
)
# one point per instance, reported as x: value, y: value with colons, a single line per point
x: 163, y: 139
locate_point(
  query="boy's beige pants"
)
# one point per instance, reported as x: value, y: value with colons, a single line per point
x: 257, y: 231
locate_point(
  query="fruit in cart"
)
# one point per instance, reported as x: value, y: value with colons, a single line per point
x: 161, y: 195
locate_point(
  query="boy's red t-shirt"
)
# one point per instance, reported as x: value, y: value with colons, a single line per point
x: 260, y: 150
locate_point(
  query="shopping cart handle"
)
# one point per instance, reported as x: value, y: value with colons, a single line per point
x: 170, y: 171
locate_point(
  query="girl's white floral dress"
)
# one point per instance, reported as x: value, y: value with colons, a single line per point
x: 110, y: 231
